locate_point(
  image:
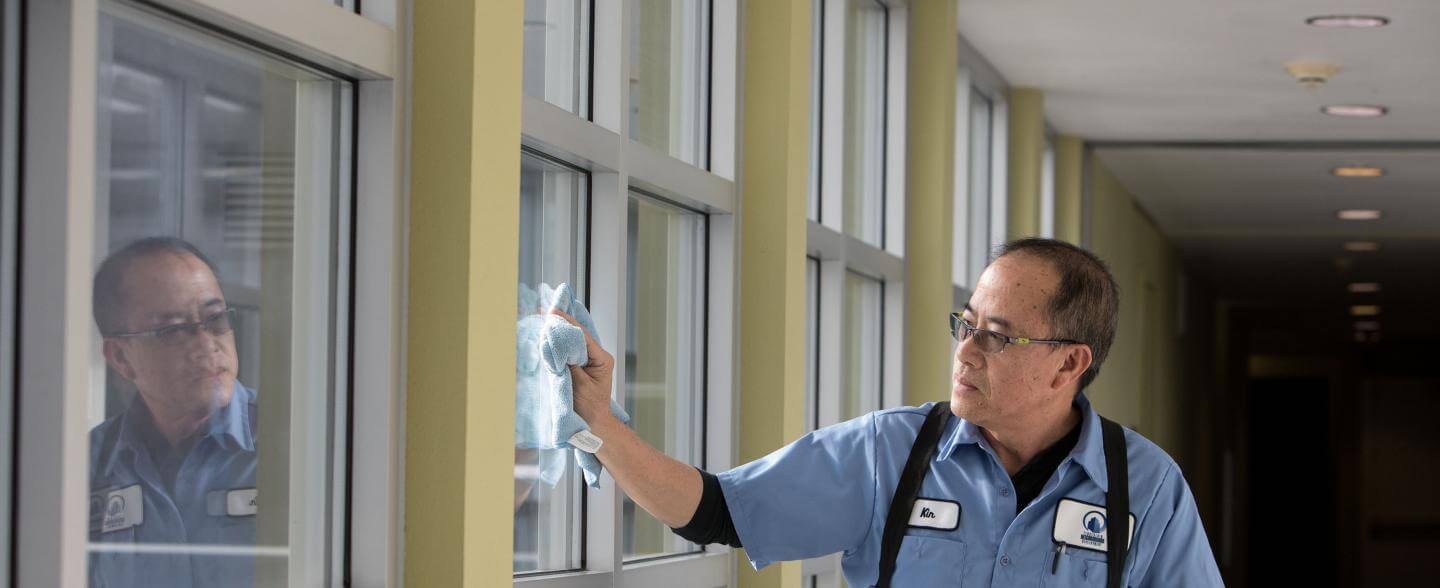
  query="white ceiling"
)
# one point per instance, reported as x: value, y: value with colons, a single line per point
x: 1190, y: 106
x: 1213, y: 69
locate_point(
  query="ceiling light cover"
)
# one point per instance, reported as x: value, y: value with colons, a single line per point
x: 1367, y: 325
x: 1364, y: 287
x: 1365, y: 310
x: 1347, y: 21
x: 1358, y: 171
x: 1358, y: 215
x: 1355, y: 110
x: 1362, y: 246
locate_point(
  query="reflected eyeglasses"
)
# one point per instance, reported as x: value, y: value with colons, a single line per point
x: 216, y: 324
x: 992, y: 342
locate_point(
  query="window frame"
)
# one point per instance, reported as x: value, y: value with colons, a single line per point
x: 971, y: 250
x: 618, y: 165
x: 60, y: 56
x: 836, y: 252
x: 9, y: 159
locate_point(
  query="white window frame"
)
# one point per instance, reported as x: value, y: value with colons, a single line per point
x: 9, y: 160
x: 838, y: 252
x: 61, y: 57
x: 617, y: 164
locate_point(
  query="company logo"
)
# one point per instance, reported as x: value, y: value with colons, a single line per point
x: 116, y: 506
x: 1094, y: 523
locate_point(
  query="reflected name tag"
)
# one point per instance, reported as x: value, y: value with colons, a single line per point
x: 123, y: 508
x: 1084, y: 525
x: 239, y: 502
x: 586, y: 441
x: 930, y: 513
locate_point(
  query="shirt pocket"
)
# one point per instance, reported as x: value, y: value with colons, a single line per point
x: 929, y: 561
x: 1078, y: 567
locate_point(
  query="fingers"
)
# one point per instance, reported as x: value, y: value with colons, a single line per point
x: 593, y: 350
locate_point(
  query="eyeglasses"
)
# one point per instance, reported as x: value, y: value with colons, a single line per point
x: 992, y: 342
x: 216, y: 324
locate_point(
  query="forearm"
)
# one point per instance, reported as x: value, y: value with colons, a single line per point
x: 666, y: 488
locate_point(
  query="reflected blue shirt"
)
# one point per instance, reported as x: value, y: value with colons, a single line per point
x: 830, y: 492
x: 188, y: 535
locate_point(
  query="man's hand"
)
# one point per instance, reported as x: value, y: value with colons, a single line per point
x: 592, y: 381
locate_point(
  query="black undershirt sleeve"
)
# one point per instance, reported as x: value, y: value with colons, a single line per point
x: 711, y: 522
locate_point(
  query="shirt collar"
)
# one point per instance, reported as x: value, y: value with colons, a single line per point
x: 1089, y: 450
x: 229, y: 424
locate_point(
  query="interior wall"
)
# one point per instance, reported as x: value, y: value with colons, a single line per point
x: 1139, y: 384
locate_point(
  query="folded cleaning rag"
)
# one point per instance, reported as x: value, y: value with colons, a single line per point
x: 545, y: 347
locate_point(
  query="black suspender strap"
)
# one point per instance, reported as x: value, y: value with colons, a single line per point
x: 916, y: 468
x: 1117, y: 501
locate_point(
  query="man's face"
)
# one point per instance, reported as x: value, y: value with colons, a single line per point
x: 193, y: 375
x: 1001, y: 389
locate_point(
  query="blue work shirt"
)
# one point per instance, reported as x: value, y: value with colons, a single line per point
x: 830, y: 492
x: 187, y: 535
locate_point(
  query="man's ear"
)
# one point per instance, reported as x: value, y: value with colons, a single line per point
x: 1077, y: 360
x: 119, y: 360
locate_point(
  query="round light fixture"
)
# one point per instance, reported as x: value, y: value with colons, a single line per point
x: 1347, y: 21
x: 1355, y: 110
x: 1358, y: 171
x: 1362, y: 246
x: 1358, y: 215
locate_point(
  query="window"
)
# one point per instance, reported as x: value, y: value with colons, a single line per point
x: 982, y: 146
x: 557, y: 53
x: 221, y: 176
x: 1047, y: 189
x: 552, y: 251
x: 652, y: 236
x: 864, y: 135
x: 856, y: 238
x: 862, y: 339
x: 665, y: 357
x: 670, y: 77
x: 189, y: 425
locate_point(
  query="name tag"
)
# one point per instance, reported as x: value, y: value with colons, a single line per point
x: 1084, y: 525
x: 120, y: 509
x: 935, y: 514
x: 239, y: 502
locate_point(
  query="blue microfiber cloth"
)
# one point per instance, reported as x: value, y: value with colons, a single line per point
x: 545, y: 348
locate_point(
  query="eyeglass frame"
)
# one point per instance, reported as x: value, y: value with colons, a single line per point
x: 191, y: 328
x: 956, y: 320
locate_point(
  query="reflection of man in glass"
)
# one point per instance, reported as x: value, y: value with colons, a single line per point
x: 172, y: 476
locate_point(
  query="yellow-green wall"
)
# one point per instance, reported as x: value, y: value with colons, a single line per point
x: 1025, y: 161
x: 1139, y: 383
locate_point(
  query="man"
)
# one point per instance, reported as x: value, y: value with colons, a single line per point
x: 172, y: 476
x: 1016, y: 491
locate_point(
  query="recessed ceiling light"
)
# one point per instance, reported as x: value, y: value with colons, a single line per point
x: 1347, y: 21
x: 1365, y: 310
x: 1362, y: 246
x: 1364, y: 287
x: 1367, y: 325
x: 1358, y: 214
x: 1358, y: 171
x: 1355, y: 110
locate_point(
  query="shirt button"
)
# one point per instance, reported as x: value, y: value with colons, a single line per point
x: 1004, y: 560
x: 1004, y: 491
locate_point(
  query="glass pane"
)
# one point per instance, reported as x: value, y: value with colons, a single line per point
x: 9, y: 151
x: 864, y: 191
x: 812, y: 341
x: 980, y: 146
x: 552, y: 242
x: 219, y: 181
x: 1047, y: 191
x: 557, y: 53
x: 665, y: 354
x: 670, y: 77
x: 862, y: 340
